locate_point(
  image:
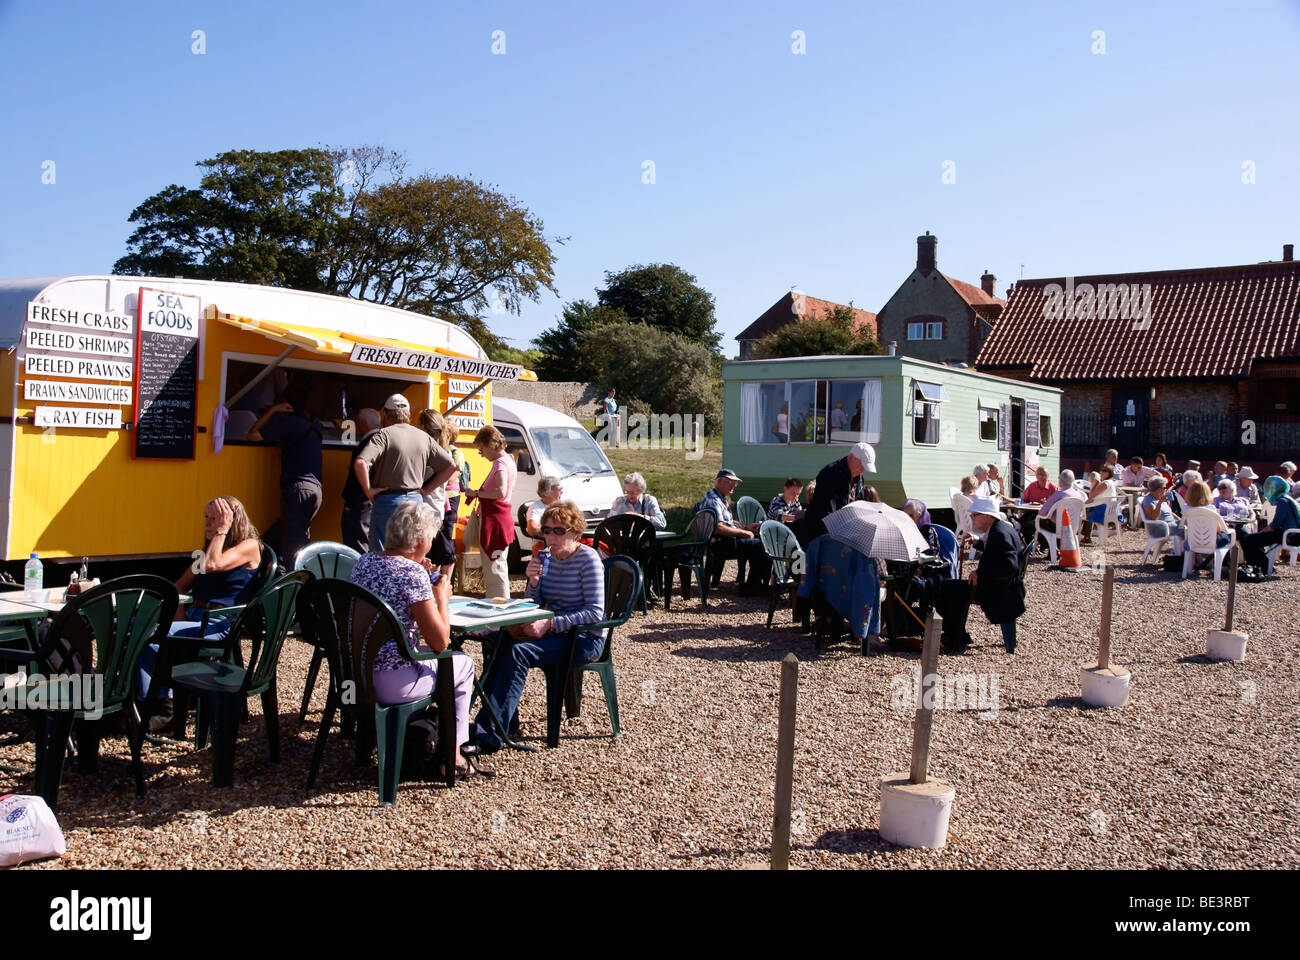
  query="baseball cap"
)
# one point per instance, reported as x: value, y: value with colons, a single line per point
x: 396, y: 402
x: 725, y: 474
x: 866, y: 455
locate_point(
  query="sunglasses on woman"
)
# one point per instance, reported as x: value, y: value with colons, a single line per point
x: 558, y: 531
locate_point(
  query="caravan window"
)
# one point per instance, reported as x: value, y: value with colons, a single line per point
x: 765, y: 412
x: 927, y: 399
x: 816, y: 411
x: 988, y: 423
x: 1044, y: 431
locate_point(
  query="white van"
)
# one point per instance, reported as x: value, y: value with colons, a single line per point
x: 546, y: 443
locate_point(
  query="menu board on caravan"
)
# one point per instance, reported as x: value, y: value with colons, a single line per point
x: 166, y: 375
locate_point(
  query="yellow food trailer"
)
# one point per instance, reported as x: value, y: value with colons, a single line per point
x: 132, y: 397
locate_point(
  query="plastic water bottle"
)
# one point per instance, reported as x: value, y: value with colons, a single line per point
x: 33, y: 578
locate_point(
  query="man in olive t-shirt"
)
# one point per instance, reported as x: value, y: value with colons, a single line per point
x: 395, y: 464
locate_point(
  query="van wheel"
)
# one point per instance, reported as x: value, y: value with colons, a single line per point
x: 515, y: 558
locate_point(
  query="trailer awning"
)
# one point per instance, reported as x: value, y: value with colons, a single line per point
x: 332, y: 343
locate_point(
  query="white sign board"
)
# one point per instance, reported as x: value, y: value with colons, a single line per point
x: 433, y: 362
x: 466, y: 423
x: 76, y: 392
x: 473, y: 405
x: 462, y: 387
x: 85, y: 418
x: 101, y: 321
x: 72, y: 367
x: 164, y: 312
x: 68, y: 341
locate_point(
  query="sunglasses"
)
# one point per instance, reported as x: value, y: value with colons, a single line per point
x: 554, y: 531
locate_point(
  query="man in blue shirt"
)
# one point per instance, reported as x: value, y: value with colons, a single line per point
x: 299, y: 435
x: 732, y: 539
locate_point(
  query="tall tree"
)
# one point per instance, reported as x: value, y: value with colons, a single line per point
x: 562, y: 356
x: 348, y: 222
x: 836, y: 333
x: 663, y: 295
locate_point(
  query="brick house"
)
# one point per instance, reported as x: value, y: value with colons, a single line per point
x: 791, y: 308
x: 1201, y: 363
x: 934, y: 317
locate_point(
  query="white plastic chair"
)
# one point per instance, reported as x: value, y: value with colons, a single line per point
x: 1201, y: 526
x: 961, y: 508
x: 1155, y: 541
x: 1111, y: 520
x: 1053, y: 538
x: 1290, y: 541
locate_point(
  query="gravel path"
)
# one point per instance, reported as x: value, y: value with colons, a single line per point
x: 1199, y: 770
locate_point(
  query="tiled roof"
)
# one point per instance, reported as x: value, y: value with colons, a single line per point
x: 1212, y: 322
x: 783, y: 312
x: 976, y: 297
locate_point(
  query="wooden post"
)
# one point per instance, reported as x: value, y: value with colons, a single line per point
x: 1103, y: 632
x: 784, y: 762
x: 1232, y: 588
x: 925, y: 709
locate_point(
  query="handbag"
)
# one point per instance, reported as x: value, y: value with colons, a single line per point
x: 473, y: 530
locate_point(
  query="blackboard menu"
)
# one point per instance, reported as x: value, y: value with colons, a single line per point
x: 1032, y: 436
x: 167, y: 373
x: 1004, y: 427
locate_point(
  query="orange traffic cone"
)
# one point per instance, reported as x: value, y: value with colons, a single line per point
x: 1069, y: 557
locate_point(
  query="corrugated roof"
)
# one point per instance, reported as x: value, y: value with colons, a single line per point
x: 1203, y: 323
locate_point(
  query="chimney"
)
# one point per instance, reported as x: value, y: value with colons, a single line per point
x: 987, y: 281
x: 893, y: 348
x: 925, y: 260
x: 1288, y: 251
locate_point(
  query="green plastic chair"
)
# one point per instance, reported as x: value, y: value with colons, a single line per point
x: 224, y: 685
x: 630, y: 535
x: 748, y: 510
x: 212, y: 644
x: 564, y: 681
x: 350, y: 624
x: 99, y: 634
x: 324, y: 560
x: 691, y: 556
x: 782, y: 548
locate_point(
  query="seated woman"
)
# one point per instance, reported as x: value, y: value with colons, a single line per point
x: 785, y: 505
x: 1162, y: 467
x: 1199, y: 503
x: 568, y: 579
x: 404, y: 578
x: 1286, y: 516
x: 636, y: 500
x: 1156, y: 510
x: 222, y: 577
x: 549, y: 491
x: 1228, y: 503
x: 1100, y: 494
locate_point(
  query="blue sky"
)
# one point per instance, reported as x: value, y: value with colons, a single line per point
x: 772, y: 168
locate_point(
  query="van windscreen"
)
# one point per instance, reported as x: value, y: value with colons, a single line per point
x: 565, y: 451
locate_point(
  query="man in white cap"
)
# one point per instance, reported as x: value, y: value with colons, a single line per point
x: 995, y: 584
x: 839, y: 483
x: 398, y: 464
x: 732, y: 539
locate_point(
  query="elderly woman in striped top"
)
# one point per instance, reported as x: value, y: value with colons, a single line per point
x: 568, y: 579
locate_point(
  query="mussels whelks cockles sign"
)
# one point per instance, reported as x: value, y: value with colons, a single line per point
x: 167, y: 373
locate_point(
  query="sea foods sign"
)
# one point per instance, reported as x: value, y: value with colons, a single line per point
x: 434, y: 362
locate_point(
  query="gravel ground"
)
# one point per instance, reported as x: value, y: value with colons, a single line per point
x: 1198, y: 770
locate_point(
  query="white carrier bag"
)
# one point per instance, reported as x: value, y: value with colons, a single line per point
x: 28, y: 831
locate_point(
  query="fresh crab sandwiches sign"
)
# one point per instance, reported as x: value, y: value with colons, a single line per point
x: 434, y: 363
